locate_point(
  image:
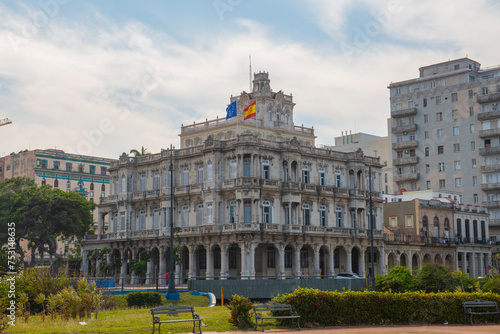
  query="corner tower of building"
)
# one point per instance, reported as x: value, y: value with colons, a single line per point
x: 274, y: 119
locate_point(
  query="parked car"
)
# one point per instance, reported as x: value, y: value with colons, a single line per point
x: 348, y: 275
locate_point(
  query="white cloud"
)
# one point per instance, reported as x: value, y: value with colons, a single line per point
x: 65, y: 81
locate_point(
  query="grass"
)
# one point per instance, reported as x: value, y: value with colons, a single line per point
x: 124, y: 321
x: 128, y: 320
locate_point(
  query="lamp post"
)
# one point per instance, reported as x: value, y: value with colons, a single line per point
x: 172, y: 294
x: 372, y: 254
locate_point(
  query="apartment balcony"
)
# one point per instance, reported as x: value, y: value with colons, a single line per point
x: 489, y: 150
x: 290, y: 186
x: 309, y: 188
x: 405, y: 161
x: 491, y: 204
x: 405, y: 144
x: 404, y: 128
x: 489, y: 133
x: 269, y: 184
x: 488, y: 98
x: 403, y: 112
x: 488, y: 115
x: 490, y: 168
x: 490, y: 186
x: 406, y: 177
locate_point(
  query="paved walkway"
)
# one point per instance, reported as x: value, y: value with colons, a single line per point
x: 439, y: 329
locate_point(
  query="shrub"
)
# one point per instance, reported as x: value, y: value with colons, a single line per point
x: 324, y: 308
x: 141, y: 299
x: 398, y: 279
x: 492, y: 285
x: 434, y: 277
x: 240, y: 312
x: 33, y: 282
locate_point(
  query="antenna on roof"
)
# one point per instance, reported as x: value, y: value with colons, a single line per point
x: 250, y: 72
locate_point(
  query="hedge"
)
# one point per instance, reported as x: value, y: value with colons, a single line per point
x: 141, y: 299
x: 326, y: 308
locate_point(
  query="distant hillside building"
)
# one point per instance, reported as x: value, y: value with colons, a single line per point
x: 254, y: 198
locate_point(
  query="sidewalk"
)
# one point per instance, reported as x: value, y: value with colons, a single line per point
x: 410, y: 329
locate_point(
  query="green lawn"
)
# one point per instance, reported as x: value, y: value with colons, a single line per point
x: 124, y: 321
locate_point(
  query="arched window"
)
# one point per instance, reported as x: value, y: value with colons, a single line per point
x: 436, y: 227
x: 425, y: 226
x: 446, y: 228
x: 56, y: 183
x: 103, y: 187
x: 68, y: 185
x: 92, y: 186
x: 44, y: 182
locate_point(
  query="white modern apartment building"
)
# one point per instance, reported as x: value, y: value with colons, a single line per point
x: 445, y: 134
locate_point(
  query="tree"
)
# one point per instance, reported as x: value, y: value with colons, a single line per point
x: 136, y: 153
x: 398, y: 279
x: 434, y: 277
x: 42, y: 214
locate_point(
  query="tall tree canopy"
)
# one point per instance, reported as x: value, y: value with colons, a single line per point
x: 41, y: 214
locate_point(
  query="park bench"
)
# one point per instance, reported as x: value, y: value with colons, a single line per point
x: 480, y: 307
x: 274, y: 311
x: 174, y: 311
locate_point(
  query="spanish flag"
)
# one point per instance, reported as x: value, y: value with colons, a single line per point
x: 250, y: 111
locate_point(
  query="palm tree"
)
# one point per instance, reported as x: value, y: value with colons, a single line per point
x: 136, y: 153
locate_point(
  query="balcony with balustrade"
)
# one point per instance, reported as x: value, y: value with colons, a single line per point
x: 492, y: 150
x: 405, y: 161
x: 405, y: 145
x: 488, y: 98
x: 406, y: 177
x: 403, y: 112
x: 489, y: 133
x: 404, y: 128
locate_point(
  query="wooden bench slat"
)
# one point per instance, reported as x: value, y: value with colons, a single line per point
x: 273, y: 307
x: 173, y: 311
x: 469, y: 307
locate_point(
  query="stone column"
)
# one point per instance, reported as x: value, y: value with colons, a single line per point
x: 178, y: 274
x: 162, y: 267
x: 296, y: 267
x: 362, y: 262
x: 473, y: 265
x: 97, y: 269
x: 84, y: 269
x: 123, y: 271
x: 150, y: 272
x: 331, y: 261
x: 251, y: 259
x: 382, y: 260
x: 224, y: 261
x: 100, y: 225
x: 281, y: 261
x: 192, y: 262
x: 209, y: 271
x: 348, y: 264
x: 244, y: 267
x: 316, y: 267
x: 134, y: 279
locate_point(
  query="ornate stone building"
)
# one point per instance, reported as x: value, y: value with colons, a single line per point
x: 254, y: 198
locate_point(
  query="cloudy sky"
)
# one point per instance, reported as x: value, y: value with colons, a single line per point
x: 102, y: 77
